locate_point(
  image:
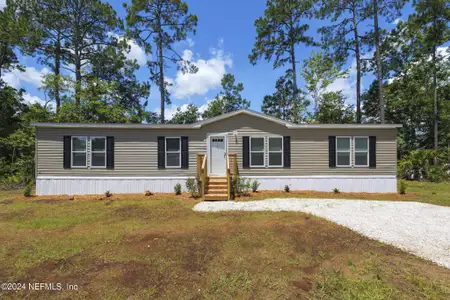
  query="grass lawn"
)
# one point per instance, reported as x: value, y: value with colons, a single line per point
x: 137, y: 247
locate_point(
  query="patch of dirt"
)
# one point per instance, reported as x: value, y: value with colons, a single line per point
x: 51, y: 201
x: 305, y: 284
x: 315, y: 194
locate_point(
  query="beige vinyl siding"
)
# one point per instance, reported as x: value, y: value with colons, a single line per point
x: 136, y: 149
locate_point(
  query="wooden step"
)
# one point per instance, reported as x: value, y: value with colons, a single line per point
x: 216, y: 197
x: 217, y: 190
x: 217, y: 180
x: 218, y: 185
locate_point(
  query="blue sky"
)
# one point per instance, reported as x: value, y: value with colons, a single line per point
x: 224, y: 39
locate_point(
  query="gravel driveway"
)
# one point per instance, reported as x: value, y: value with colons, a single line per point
x: 421, y: 229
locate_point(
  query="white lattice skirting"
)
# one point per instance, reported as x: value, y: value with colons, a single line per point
x: 46, y: 185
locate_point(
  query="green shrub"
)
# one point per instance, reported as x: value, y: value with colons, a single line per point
x: 28, y: 190
x: 287, y: 189
x: 429, y: 165
x: 192, y: 187
x: 148, y: 193
x: 336, y: 191
x: 241, y: 186
x: 255, y: 185
x: 402, y: 187
x: 177, y: 189
x: 108, y: 194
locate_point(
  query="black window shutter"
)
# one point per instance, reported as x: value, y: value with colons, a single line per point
x: 286, y: 151
x: 110, y: 152
x: 332, y: 151
x: 185, y: 152
x: 372, y: 151
x: 161, y: 153
x: 66, y: 155
x: 245, y: 152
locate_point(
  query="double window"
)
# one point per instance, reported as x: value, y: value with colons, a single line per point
x: 173, y: 152
x: 79, y: 152
x: 344, y: 151
x: 258, y: 152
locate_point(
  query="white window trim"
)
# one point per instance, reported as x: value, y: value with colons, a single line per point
x: 263, y: 152
x: 92, y: 151
x: 349, y: 152
x: 78, y: 151
x: 354, y: 152
x: 268, y: 152
x: 165, y: 152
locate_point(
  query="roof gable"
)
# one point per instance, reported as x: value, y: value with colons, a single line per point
x: 240, y: 112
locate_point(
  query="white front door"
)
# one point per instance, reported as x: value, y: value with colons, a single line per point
x: 217, y: 155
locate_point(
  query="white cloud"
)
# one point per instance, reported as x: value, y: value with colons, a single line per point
x: 169, y: 111
x: 396, y: 21
x: 31, y: 75
x: 208, y: 77
x: 136, y: 52
x: 2, y: 4
x: 32, y: 99
x: 347, y: 85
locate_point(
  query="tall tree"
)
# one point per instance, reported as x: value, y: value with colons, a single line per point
x: 16, y: 34
x: 54, y: 27
x: 333, y: 110
x: 188, y: 116
x: 343, y: 37
x: 284, y: 104
x: 319, y: 72
x: 390, y: 10
x: 161, y: 23
x: 429, y: 30
x: 280, y: 30
x: 229, y: 99
x: 90, y: 24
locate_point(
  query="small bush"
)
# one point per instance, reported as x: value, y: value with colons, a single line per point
x: 28, y: 189
x: 255, y: 185
x: 108, y: 194
x: 336, y: 191
x: 177, y: 189
x: 287, y: 189
x: 148, y: 193
x: 192, y: 187
x: 402, y: 187
x: 241, y: 186
x: 429, y: 165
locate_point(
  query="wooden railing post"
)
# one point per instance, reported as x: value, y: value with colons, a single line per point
x: 228, y: 178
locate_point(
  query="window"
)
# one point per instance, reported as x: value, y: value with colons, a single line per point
x: 257, y: 152
x: 343, y: 152
x: 79, y: 152
x: 98, y: 152
x: 173, y: 152
x: 275, y: 152
x: 361, y: 158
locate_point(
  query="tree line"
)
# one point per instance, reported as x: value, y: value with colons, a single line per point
x: 83, y: 43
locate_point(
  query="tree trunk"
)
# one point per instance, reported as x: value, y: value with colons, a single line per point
x: 77, y: 79
x: 161, y: 78
x: 435, y: 100
x: 378, y: 61
x: 358, y: 69
x: 57, y: 73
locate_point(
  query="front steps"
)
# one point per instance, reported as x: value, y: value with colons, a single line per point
x: 217, y: 188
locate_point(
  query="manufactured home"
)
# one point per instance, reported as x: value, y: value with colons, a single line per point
x: 76, y: 158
